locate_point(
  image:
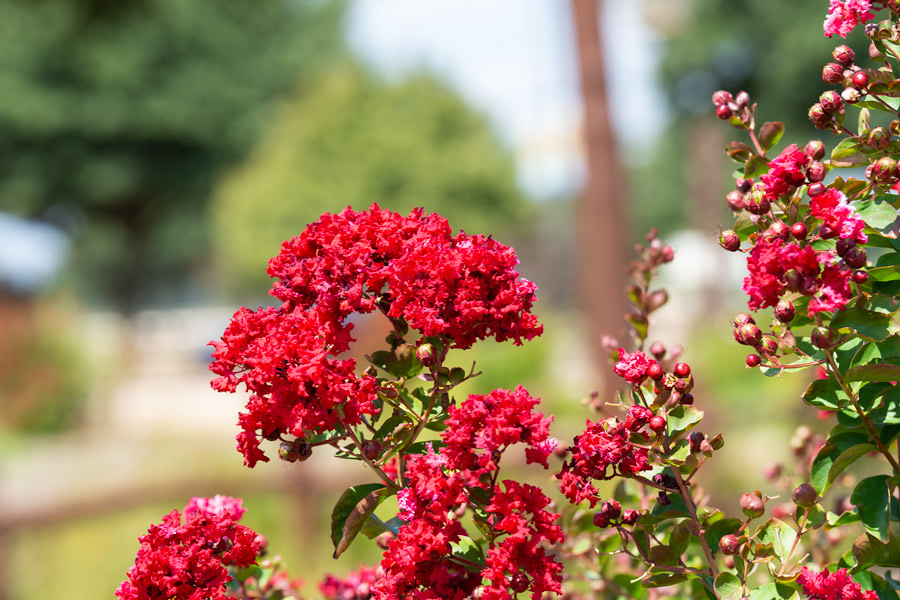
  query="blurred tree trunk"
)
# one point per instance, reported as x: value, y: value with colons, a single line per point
x: 601, y: 225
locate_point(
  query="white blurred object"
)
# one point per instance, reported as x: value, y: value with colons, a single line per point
x: 31, y: 254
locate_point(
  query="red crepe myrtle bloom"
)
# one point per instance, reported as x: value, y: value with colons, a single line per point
x: 838, y: 216
x: 357, y: 585
x: 188, y: 560
x: 785, y: 172
x: 832, y: 586
x: 633, y: 367
x: 601, y: 452
x: 844, y: 15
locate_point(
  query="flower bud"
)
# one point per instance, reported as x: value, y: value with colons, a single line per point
x: 860, y: 80
x: 426, y: 354
x: 851, y: 95
x: 793, y: 279
x: 371, y: 449
x: 805, y: 496
x: 742, y: 319
x: 855, y: 257
x: 682, y: 369
x: 729, y: 240
x: 294, y: 451
x: 723, y: 112
x: 601, y: 519
x: 815, y: 189
x: 722, y: 97
x: 742, y: 99
x: 815, y: 172
x: 831, y: 101
x: 658, y: 350
x: 612, y: 509
x: 821, y: 337
x: 686, y: 399
x: 753, y: 360
x: 799, y: 231
x: 749, y: 334
x: 843, y: 55
x: 735, y: 200
x: 744, y: 185
x: 729, y: 544
x: 667, y: 254
x: 843, y: 245
x: 767, y: 345
x: 784, y: 311
x: 657, y: 424
x: 696, y: 438
x: 752, y: 505
x: 833, y: 73
x: 630, y: 516
x: 755, y: 202
x: 818, y: 116
x: 860, y: 276
x: 773, y: 472
x: 655, y: 371
x: 879, y: 138
x: 815, y: 149
x: 778, y: 230
x: 883, y: 169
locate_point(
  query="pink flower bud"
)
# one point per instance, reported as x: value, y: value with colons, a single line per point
x: 843, y: 55
x: 831, y: 101
x: 729, y: 544
x: 729, y: 240
x: 784, y: 311
x: 818, y: 116
x: 799, y: 231
x: 722, y: 97
x: 851, y: 95
x: 723, y: 112
x: 855, y: 257
x: 753, y: 360
x: 752, y: 505
x: 860, y: 80
x: 805, y: 496
x: 833, y: 73
x: 815, y: 172
x: 735, y: 200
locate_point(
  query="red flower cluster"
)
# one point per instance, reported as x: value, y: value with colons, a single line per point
x: 418, y: 563
x: 602, y: 452
x: 285, y: 359
x: 844, y: 15
x: 189, y: 560
x: 839, y: 219
x: 785, y: 173
x: 633, y: 367
x: 832, y: 586
x: 483, y: 427
x: 355, y: 586
x: 461, y: 287
x: 775, y: 266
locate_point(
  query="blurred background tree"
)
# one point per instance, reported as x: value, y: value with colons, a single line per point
x: 117, y: 117
x: 401, y: 145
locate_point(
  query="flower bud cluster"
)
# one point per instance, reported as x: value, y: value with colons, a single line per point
x: 611, y: 514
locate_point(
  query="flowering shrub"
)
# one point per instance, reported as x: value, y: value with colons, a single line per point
x: 822, y: 252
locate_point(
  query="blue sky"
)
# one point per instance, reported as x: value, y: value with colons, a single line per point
x: 514, y: 60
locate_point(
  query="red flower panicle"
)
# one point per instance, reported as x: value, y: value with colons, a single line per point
x: 832, y: 586
x: 285, y: 359
x: 188, y: 560
x: 462, y: 287
x: 837, y: 216
x: 633, y: 367
x: 844, y: 15
x: 785, y: 173
x: 603, y: 451
x: 483, y: 427
x: 775, y: 266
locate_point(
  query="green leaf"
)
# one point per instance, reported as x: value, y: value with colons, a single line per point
x: 756, y: 166
x: 867, y: 324
x: 663, y: 555
x: 351, y: 512
x: 728, y: 586
x: 774, y: 591
x: 887, y: 268
x: 680, y: 537
x: 779, y: 534
x: 871, y: 581
x: 883, y: 303
x: 874, y: 372
x: 468, y: 549
x: 847, y: 154
x: 869, y: 551
x: 682, y: 418
x: 838, y: 453
x: 770, y: 133
x: 663, y: 579
x: 871, y: 496
x: 825, y: 393
x: 877, y: 212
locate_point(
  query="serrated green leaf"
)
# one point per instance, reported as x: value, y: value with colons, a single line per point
x: 351, y: 512
x: 871, y: 496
